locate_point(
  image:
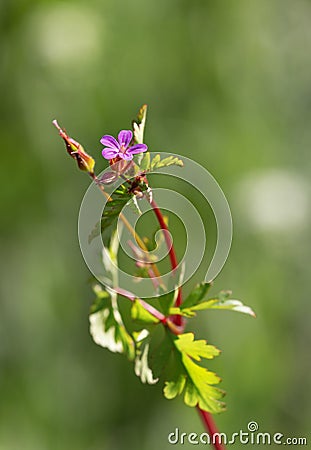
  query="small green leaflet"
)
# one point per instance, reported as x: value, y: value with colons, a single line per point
x: 195, y: 381
x: 158, y: 163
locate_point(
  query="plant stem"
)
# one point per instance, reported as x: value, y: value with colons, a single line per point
x: 170, y: 246
x: 209, y: 423
x: 149, y: 308
x: 206, y: 417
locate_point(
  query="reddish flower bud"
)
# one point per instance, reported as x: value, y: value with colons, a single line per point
x: 75, y: 150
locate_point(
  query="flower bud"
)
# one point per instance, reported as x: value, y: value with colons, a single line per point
x: 75, y: 150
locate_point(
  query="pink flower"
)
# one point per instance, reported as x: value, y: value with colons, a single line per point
x: 120, y: 148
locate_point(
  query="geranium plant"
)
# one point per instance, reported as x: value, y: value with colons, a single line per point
x: 154, y: 337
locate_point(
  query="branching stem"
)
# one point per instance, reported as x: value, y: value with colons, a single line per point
x: 176, y: 324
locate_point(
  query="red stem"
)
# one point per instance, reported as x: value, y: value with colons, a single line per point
x: 172, y: 254
x: 210, y: 425
x: 206, y: 417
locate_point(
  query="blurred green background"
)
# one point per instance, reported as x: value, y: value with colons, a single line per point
x: 229, y: 85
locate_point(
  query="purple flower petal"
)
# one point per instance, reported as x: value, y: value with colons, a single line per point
x: 126, y: 155
x: 138, y: 148
x: 125, y: 137
x: 109, y: 153
x: 110, y: 141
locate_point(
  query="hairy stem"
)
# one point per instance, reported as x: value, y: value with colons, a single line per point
x: 206, y: 417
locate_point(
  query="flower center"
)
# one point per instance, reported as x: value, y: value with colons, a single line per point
x: 122, y: 148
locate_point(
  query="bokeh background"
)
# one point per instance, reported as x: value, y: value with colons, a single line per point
x: 229, y: 85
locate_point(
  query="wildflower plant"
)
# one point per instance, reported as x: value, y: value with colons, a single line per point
x: 154, y: 337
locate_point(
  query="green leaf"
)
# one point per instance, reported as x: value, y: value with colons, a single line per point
x: 106, y: 324
x: 196, y: 295
x: 186, y: 312
x: 195, y: 349
x: 109, y: 333
x: 195, y: 302
x: 216, y: 303
x: 145, y: 162
x: 102, y: 300
x: 174, y: 388
x: 110, y: 215
x: 155, y: 161
x: 199, y: 388
x: 158, y: 163
x: 161, y: 354
x: 195, y: 381
x: 139, y: 313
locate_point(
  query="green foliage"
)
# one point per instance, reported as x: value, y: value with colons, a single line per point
x: 196, y: 302
x: 158, y: 163
x: 195, y: 381
x: 232, y: 305
x: 195, y: 349
x: 162, y: 354
x: 119, y: 198
x: 145, y: 162
x: 173, y: 359
x: 106, y: 325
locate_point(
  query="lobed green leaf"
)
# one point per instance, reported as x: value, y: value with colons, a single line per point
x: 195, y: 381
x: 195, y: 349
